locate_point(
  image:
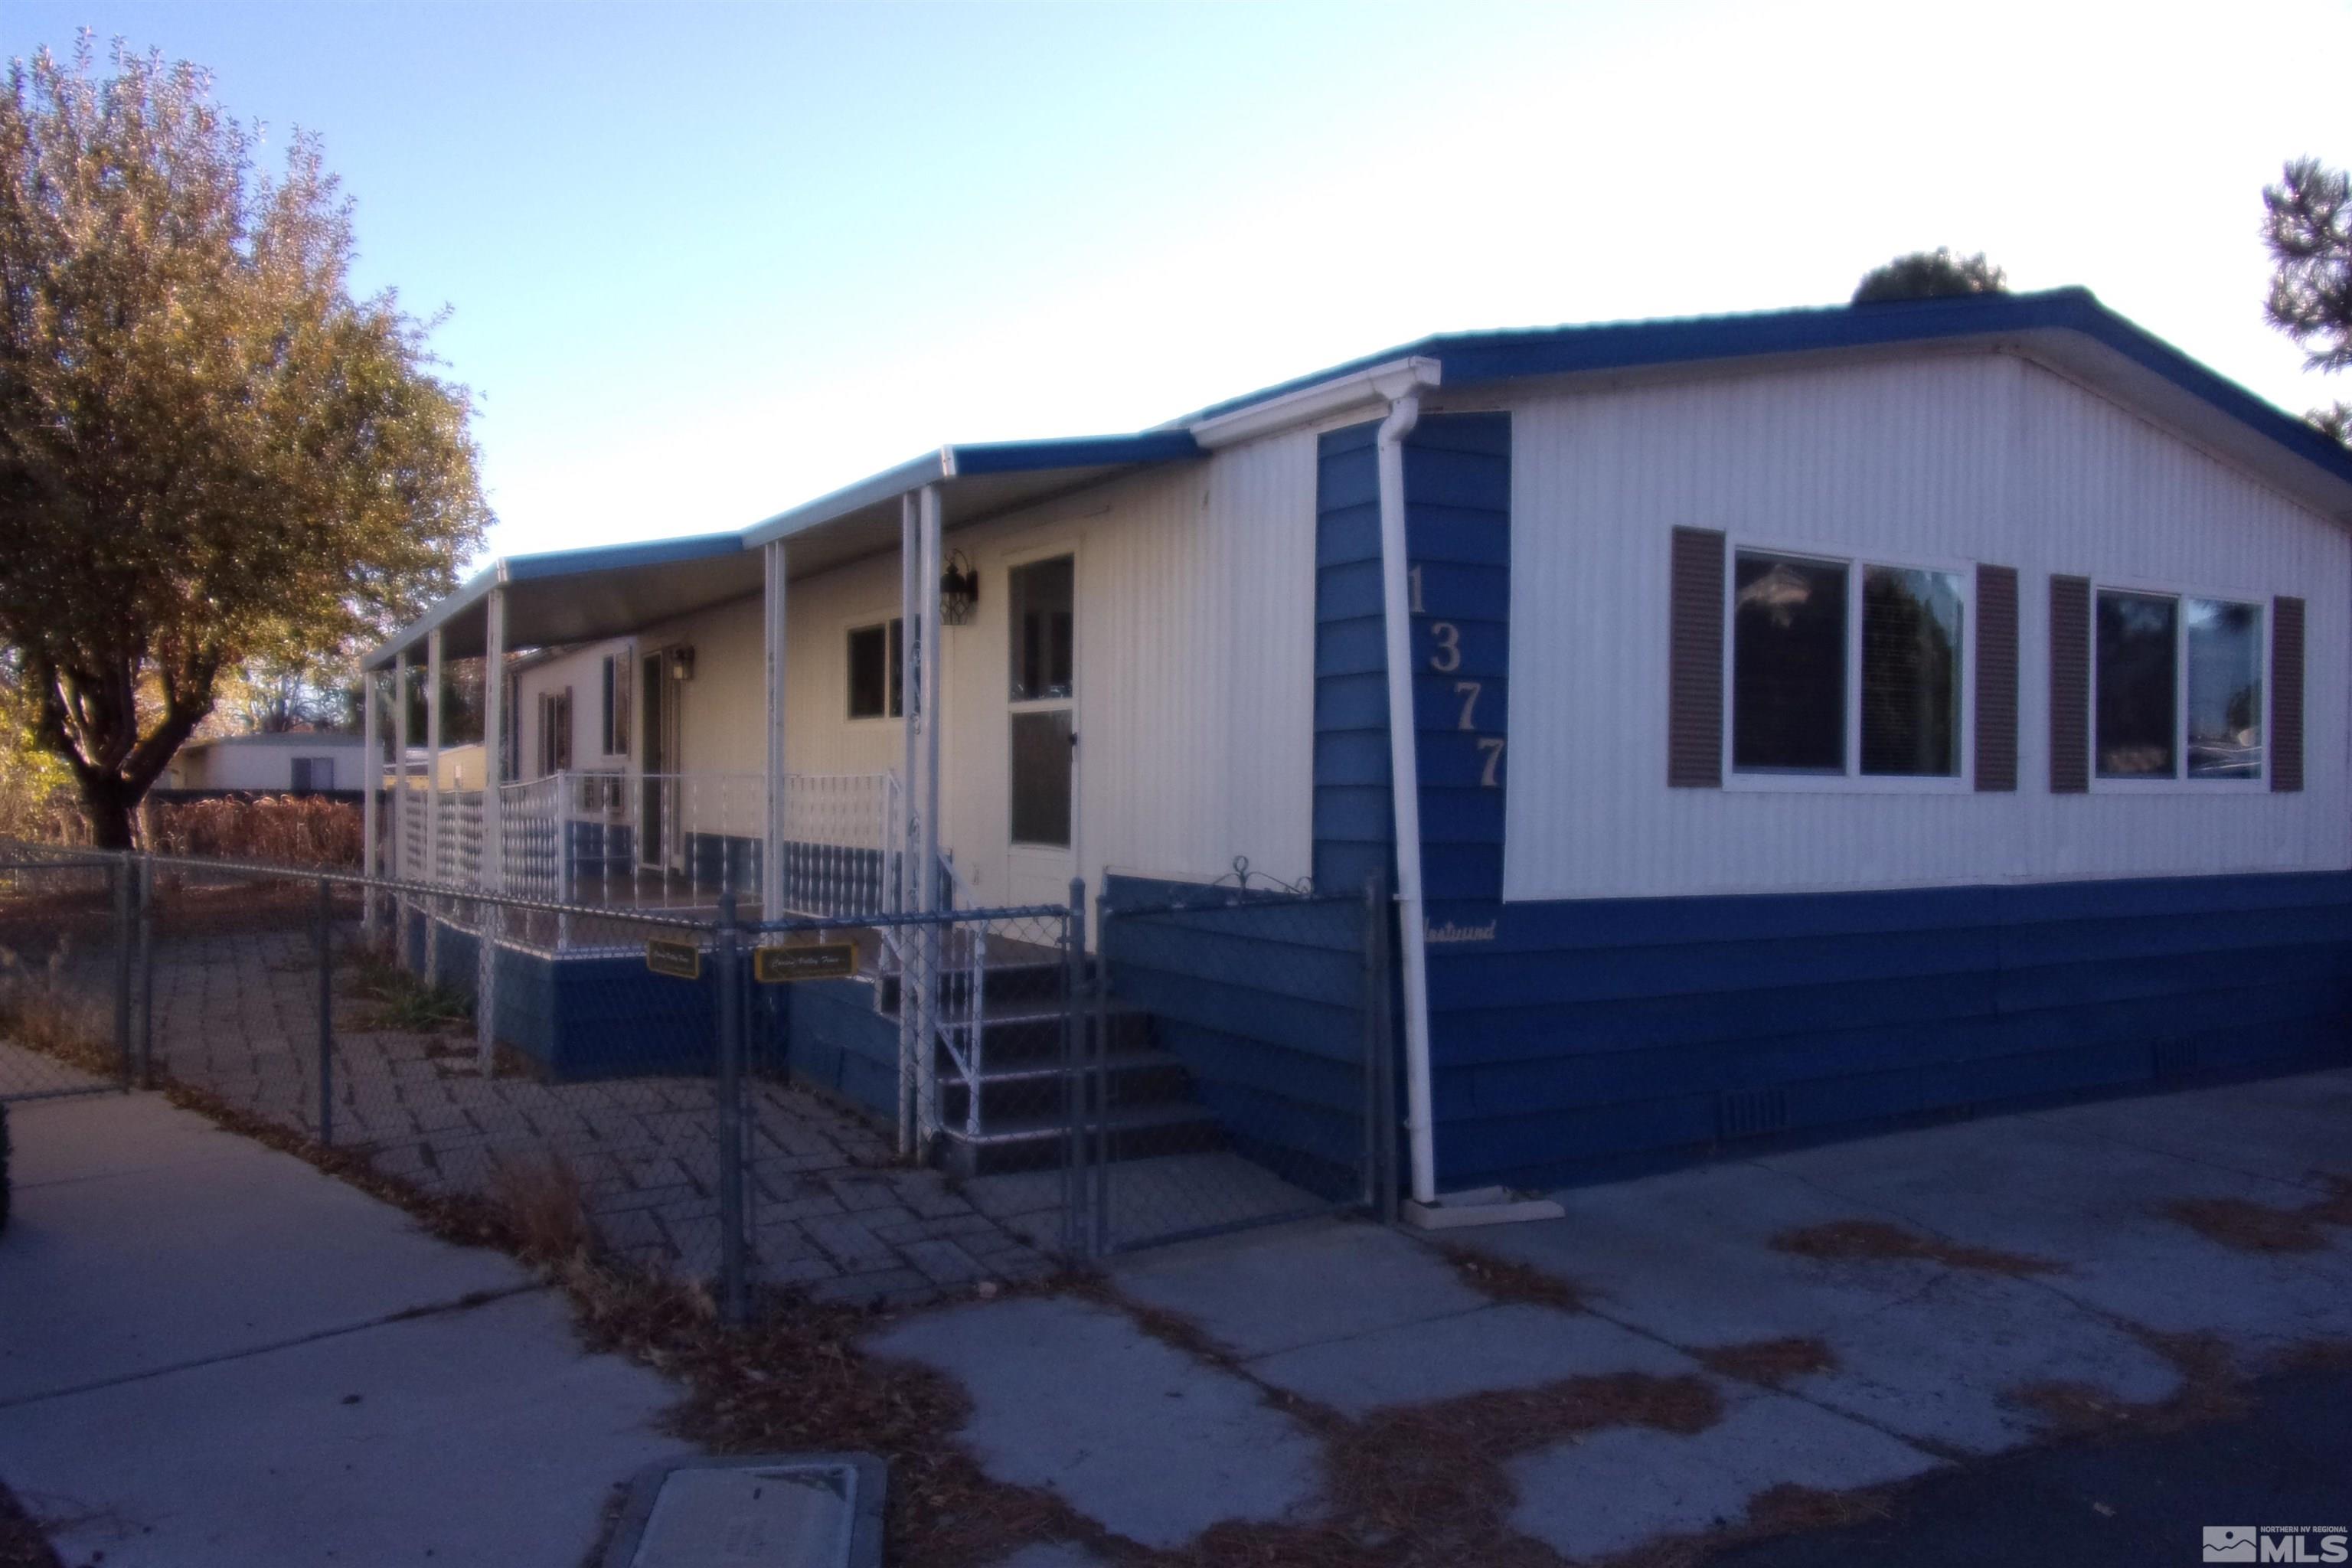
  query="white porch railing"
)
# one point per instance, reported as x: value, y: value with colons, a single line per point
x: 667, y: 840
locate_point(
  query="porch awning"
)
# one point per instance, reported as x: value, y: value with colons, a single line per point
x: 582, y: 595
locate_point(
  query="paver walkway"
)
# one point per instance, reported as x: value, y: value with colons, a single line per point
x: 832, y: 1210
x: 215, y: 1357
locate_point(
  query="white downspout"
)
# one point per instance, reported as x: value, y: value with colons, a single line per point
x: 771, y: 828
x: 1404, y: 773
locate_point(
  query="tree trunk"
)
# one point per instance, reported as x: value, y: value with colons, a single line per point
x: 108, y: 806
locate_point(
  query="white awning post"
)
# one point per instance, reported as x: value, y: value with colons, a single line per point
x: 432, y: 803
x: 907, y: 886
x: 485, y: 929
x: 371, y: 798
x: 401, y: 847
x: 772, y: 844
x: 927, y: 685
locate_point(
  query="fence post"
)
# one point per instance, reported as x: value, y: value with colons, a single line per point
x: 1379, y: 1053
x: 325, y: 935
x: 1074, y: 947
x: 122, y: 938
x: 147, y: 970
x: 1098, y: 1093
x: 732, y: 1239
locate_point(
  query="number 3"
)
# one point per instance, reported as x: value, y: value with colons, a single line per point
x: 1448, y: 656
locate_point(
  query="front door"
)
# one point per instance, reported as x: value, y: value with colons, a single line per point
x: 1041, y: 711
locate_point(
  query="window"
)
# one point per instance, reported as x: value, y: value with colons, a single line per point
x: 1827, y: 683
x: 1044, y: 629
x: 616, y: 704
x: 874, y: 678
x: 314, y: 776
x: 2178, y: 689
x: 554, y: 732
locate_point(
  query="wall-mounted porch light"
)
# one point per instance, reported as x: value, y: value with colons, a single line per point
x: 959, y: 591
x: 681, y: 663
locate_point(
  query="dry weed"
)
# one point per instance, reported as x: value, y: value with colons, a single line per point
x: 1849, y: 1240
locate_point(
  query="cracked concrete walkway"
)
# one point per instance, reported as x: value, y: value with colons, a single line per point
x: 213, y: 1357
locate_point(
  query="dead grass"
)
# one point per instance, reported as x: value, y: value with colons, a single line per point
x: 43, y: 1009
x: 22, y: 1542
x: 2210, y: 1390
x: 547, y: 1203
x: 1501, y: 1279
x: 1874, y: 1240
x: 2243, y: 1225
x: 281, y: 830
x: 1772, y: 1362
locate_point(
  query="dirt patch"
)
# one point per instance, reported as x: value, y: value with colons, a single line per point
x: 2209, y: 1390
x: 1501, y: 1279
x: 1770, y: 1362
x: 1874, y: 1240
x: 22, y: 1544
x: 2243, y: 1225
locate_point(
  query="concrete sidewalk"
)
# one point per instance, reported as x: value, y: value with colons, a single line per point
x: 1846, y: 1318
x: 211, y: 1354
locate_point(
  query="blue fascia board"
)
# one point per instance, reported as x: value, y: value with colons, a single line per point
x: 1079, y: 452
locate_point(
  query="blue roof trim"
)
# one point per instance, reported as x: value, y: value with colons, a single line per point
x: 1080, y: 452
x: 1474, y: 357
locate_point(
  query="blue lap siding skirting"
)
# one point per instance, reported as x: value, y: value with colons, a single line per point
x: 1599, y: 1038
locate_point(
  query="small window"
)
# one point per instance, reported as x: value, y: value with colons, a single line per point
x: 2166, y: 662
x: 875, y: 676
x: 1043, y: 595
x: 314, y: 776
x: 1824, y: 682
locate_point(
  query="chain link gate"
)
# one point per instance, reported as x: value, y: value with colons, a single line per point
x: 72, y: 952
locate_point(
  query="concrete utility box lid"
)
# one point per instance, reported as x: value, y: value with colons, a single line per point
x: 772, y: 1510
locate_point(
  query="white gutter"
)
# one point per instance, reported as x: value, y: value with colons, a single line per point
x: 1404, y: 774
x: 1358, y: 389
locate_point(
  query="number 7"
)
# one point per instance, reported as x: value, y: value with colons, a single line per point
x: 1492, y: 746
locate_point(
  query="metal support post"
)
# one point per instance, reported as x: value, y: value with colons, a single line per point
x: 732, y: 1242
x: 325, y: 937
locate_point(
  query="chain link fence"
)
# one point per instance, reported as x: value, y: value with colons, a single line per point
x: 882, y: 1109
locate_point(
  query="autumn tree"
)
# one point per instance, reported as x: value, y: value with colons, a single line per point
x: 2308, y: 225
x: 1930, y: 275
x: 211, y: 452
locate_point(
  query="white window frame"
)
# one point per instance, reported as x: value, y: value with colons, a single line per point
x: 1853, y: 780
x: 2180, y: 783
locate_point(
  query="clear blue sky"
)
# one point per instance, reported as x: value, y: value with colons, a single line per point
x: 706, y: 262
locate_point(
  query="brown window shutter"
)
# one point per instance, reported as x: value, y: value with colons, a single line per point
x: 1996, y: 678
x: 2070, y: 685
x: 1695, y: 673
x: 2286, y: 694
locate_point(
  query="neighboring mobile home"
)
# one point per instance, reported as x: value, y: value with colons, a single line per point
x: 301, y: 761
x: 1814, y: 718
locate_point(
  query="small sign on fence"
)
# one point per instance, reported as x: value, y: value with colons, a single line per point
x: 679, y: 960
x: 804, y: 961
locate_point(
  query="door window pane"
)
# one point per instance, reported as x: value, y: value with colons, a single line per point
x: 1910, y: 672
x: 2225, y: 689
x: 1043, y: 631
x: 2138, y: 685
x: 1041, y: 778
x: 1788, y: 665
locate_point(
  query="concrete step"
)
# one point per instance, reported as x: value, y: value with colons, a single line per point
x: 1130, y: 1076
x: 1040, y: 1142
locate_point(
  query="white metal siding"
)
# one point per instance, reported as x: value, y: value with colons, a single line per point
x: 1977, y: 458
x: 582, y: 670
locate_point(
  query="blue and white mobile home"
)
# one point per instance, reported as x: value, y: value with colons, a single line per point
x: 1814, y: 720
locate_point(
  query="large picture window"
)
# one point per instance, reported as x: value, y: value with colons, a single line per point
x: 2177, y: 688
x: 1829, y: 682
